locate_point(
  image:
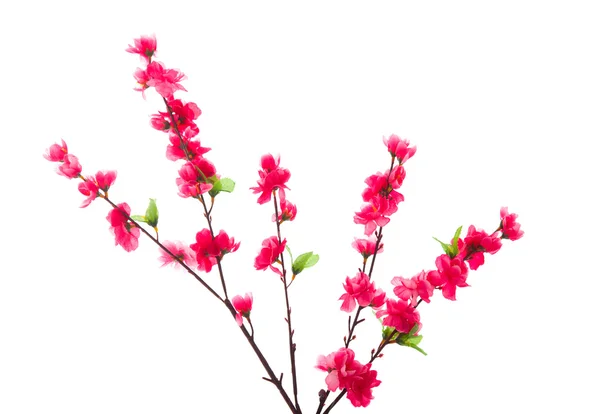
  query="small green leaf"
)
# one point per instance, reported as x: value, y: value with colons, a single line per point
x: 447, y: 248
x: 303, y: 261
x: 152, y: 213
x: 224, y: 184
x: 139, y: 218
x: 290, y: 253
x: 410, y: 339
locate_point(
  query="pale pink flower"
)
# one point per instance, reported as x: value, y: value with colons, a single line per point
x: 56, y: 153
x: 126, y: 233
x: 399, y: 148
x: 179, y: 250
x: 70, y: 167
x: 414, y: 288
x: 144, y: 46
x: 366, y: 247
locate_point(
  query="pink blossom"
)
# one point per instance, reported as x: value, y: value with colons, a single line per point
x: 399, y: 314
x: 180, y: 251
x: 194, y: 177
x: 476, y: 243
x: 272, y: 177
x: 414, y: 288
x: 243, y: 306
x: 56, y: 153
x: 225, y: 244
x: 360, y: 386
x: 142, y: 78
x: 344, y: 372
x: 165, y: 81
x: 104, y: 179
x: 145, y: 46
x: 70, y: 167
x: 287, y: 210
x: 366, y: 247
x: 510, y: 228
x: 271, y: 249
x: 89, y: 189
x: 358, y: 289
x: 375, y: 214
x: 175, y: 150
x: 126, y: 233
x: 206, y: 250
x: 450, y: 274
x: 399, y: 148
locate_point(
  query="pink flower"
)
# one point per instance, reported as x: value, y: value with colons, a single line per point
x: 126, y: 233
x: 271, y: 178
x: 287, y: 210
x: 475, y: 244
x: 375, y: 213
x: 194, y: 177
x: 179, y: 250
x: 70, y: 167
x: 56, y: 153
x: 145, y: 46
x: 358, y: 289
x: 271, y: 249
x: 399, y: 148
x: 360, y: 386
x: 366, y: 247
x: 510, y: 228
x: 206, y: 250
x: 225, y: 244
x: 104, y: 179
x: 243, y: 306
x: 175, y: 150
x: 413, y: 288
x: 142, y: 78
x: 450, y: 274
x: 344, y: 372
x: 399, y: 314
x: 90, y: 189
x: 165, y: 81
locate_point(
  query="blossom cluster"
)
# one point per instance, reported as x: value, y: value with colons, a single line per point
x: 198, y: 180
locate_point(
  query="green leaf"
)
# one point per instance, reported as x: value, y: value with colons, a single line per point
x: 410, y: 339
x: 224, y: 184
x: 451, y: 249
x: 139, y: 218
x: 304, y: 261
x: 152, y: 213
x: 447, y: 248
x: 290, y: 253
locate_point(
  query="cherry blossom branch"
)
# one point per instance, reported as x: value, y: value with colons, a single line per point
x: 249, y: 336
x: 288, y: 319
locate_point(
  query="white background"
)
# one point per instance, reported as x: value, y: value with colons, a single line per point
x: 501, y: 100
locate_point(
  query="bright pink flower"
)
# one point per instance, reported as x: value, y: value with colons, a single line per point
x: 340, y: 365
x: 358, y: 289
x: 450, y: 274
x: 225, y: 244
x: 56, y: 153
x: 360, y: 386
x: 344, y: 372
x: 510, y: 228
x: 378, y: 300
x: 366, y: 247
x: 272, y: 177
x: 70, y: 167
x: 206, y: 250
x: 287, y: 210
x: 175, y: 150
x: 89, y: 189
x: 165, y: 81
x: 126, y: 233
x: 104, y: 179
x: 399, y: 148
x: 399, y: 314
x: 145, y: 46
x: 375, y: 213
x: 475, y: 244
x: 271, y: 249
x: 397, y: 176
x: 243, y: 306
x: 179, y: 250
x: 414, y: 288
x: 194, y: 177
x: 378, y: 185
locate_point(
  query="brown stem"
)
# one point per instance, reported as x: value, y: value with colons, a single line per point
x: 291, y: 344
